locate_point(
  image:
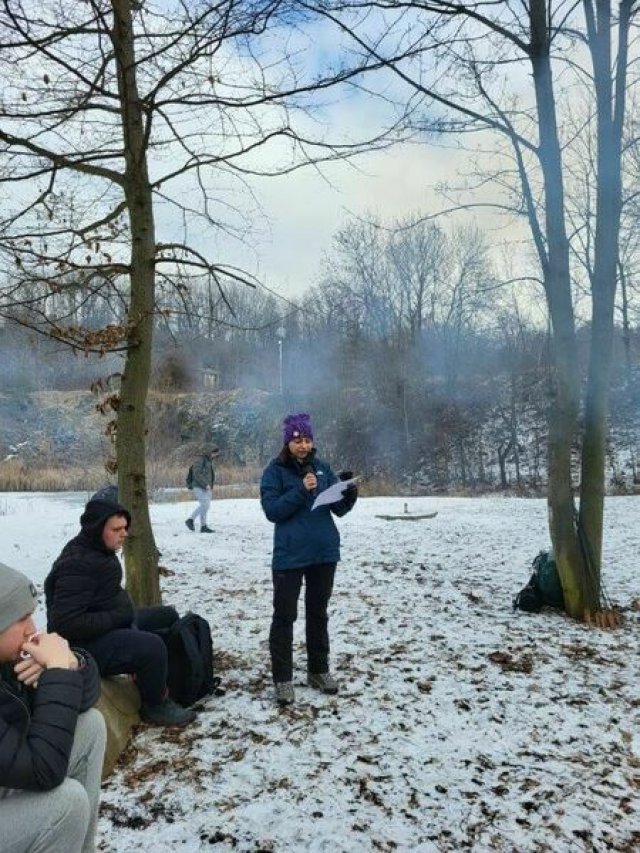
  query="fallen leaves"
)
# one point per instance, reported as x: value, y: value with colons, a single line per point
x: 510, y: 663
x: 459, y: 725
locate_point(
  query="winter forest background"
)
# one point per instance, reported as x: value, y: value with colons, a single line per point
x: 471, y: 317
x: 423, y: 366
x: 176, y: 272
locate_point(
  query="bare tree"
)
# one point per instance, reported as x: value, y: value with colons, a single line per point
x: 494, y: 68
x: 128, y: 130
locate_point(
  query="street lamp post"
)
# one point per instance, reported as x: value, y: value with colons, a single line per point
x: 281, y: 333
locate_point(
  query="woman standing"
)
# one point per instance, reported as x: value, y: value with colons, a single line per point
x: 306, y: 546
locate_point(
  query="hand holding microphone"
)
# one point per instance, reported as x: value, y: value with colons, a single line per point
x: 309, y: 480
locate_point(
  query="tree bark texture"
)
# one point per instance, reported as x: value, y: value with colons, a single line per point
x: 141, y: 554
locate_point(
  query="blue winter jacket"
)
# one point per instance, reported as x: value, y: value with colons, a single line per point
x: 301, y: 537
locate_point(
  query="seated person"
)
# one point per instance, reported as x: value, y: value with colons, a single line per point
x: 87, y: 604
x: 51, y: 740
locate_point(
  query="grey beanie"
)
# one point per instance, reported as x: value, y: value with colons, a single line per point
x: 18, y: 596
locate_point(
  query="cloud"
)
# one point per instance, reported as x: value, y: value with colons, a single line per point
x: 304, y: 209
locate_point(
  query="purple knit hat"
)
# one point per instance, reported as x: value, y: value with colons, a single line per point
x: 293, y: 426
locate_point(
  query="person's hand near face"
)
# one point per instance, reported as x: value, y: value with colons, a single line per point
x: 34, y: 652
x: 50, y: 650
x: 309, y: 481
x: 300, y: 447
x: 28, y: 671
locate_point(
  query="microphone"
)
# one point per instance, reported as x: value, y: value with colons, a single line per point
x: 309, y: 469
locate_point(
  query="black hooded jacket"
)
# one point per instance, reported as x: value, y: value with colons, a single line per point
x: 84, y: 594
x: 37, y: 725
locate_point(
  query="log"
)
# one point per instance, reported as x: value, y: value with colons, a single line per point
x: 407, y: 517
x: 119, y: 704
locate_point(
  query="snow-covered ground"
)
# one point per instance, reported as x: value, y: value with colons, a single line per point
x: 460, y: 725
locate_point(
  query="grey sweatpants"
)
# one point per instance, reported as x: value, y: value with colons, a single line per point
x: 203, y: 496
x: 65, y: 819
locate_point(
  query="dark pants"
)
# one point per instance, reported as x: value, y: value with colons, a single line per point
x: 318, y: 580
x: 137, y: 651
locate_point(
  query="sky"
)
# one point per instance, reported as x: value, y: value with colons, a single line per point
x: 305, y: 210
x: 459, y: 725
x: 285, y: 224
x: 293, y: 217
x: 300, y: 212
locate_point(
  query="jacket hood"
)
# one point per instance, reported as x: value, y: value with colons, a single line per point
x: 95, y: 515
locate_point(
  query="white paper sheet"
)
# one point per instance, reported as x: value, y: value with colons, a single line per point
x: 333, y: 493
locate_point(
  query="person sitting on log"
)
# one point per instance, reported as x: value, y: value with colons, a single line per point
x: 52, y: 740
x: 87, y: 604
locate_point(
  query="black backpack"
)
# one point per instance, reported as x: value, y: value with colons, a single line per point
x: 190, y: 650
x: 543, y: 588
x: 529, y: 598
x: 548, y: 580
x: 189, y: 480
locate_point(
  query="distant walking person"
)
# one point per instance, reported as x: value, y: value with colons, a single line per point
x: 200, y: 480
x: 306, y: 547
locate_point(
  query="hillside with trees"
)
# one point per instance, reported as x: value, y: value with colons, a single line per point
x: 455, y: 404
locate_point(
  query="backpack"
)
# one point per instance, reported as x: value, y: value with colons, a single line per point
x: 190, y: 650
x: 544, y: 586
x: 189, y: 480
x: 548, y: 579
x: 529, y: 598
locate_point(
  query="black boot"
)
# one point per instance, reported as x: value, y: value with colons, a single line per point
x: 205, y: 529
x: 167, y: 713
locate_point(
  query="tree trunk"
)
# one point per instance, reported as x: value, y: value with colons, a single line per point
x: 482, y: 476
x: 537, y: 454
x: 463, y: 460
x: 626, y: 342
x: 578, y: 550
x: 513, y: 424
x: 502, y: 462
x: 141, y: 554
x: 608, y: 211
x: 556, y: 270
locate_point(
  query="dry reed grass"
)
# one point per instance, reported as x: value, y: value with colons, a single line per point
x: 18, y: 476
x: 231, y: 481
x: 374, y: 486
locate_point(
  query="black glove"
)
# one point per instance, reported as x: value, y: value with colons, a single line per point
x: 351, y: 492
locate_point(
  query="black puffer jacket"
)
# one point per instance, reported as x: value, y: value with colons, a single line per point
x: 37, y: 725
x: 83, y: 590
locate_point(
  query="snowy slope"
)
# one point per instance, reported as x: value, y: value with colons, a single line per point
x: 460, y: 725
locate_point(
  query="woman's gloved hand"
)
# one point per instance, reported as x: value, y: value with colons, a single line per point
x: 351, y: 491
